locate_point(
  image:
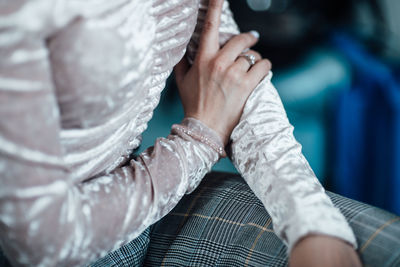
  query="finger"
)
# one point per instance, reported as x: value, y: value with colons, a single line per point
x: 258, y: 72
x: 181, y: 69
x: 209, y: 41
x: 242, y: 64
x: 237, y: 45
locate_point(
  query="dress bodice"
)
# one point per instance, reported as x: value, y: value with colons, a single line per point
x: 109, y: 68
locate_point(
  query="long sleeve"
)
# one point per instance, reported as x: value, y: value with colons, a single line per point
x: 269, y: 158
x: 46, y: 218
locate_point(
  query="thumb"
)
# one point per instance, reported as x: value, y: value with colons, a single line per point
x: 181, y: 69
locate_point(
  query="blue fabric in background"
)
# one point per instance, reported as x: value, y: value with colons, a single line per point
x: 367, y: 133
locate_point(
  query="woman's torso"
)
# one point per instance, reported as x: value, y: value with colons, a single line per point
x: 109, y: 62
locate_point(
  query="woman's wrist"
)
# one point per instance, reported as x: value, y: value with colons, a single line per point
x: 222, y: 134
x: 201, y: 132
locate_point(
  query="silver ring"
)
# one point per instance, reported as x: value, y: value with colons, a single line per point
x: 250, y: 58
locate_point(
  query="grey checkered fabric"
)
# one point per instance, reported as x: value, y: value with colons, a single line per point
x: 222, y: 223
x: 132, y: 254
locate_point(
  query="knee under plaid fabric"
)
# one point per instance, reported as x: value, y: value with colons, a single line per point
x: 222, y: 223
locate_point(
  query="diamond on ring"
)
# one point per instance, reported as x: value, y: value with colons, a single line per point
x: 250, y: 58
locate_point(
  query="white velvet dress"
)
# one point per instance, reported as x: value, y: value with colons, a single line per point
x: 79, y: 81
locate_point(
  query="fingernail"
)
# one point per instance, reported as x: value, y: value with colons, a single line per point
x: 255, y: 34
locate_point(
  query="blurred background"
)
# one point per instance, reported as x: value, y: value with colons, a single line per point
x: 336, y: 66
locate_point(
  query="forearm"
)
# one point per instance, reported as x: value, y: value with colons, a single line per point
x: 266, y: 153
x: 56, y: 222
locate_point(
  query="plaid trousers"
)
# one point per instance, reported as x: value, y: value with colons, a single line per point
x: 223, y: 223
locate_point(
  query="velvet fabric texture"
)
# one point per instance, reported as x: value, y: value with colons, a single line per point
x: 78, y: 83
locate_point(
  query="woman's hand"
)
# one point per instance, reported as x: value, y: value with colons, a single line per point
x: 320, y: 250
x: 215, y: 89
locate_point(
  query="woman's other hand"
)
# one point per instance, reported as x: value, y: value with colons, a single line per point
x: 320, y: 250
x: 215, y: 89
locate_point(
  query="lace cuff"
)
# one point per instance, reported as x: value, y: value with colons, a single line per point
x: 201, y: 133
